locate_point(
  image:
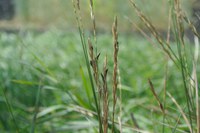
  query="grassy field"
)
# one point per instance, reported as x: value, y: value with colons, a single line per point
x: 79, y: 81
x: 49, y: 68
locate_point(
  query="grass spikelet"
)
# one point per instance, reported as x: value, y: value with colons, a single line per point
x: 141, y: 31
x: 156, y: 96
x: 191, y: 25
x: 115, y: 81
x: 94, y: 23
x: 167, y: 49
x: 94, y: 65
x: 95, y: 51
x: 105, y: 96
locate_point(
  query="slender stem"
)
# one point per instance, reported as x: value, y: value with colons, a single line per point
x: 36, y: 107
x: 83, y: 43
x: 10, y: 110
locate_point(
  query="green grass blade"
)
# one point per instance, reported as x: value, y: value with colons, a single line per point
x: 36, y: 108
x: 10, y: 110
x: 86, y: 87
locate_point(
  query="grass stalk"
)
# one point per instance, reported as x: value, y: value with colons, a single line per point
x: 191, y: 25
x: 120, y: 124
x: 83, y: 42
x: 177, y: 122
x: 120, y: 101
x: 166, y: 68
x: 10, y: 110
x: 94, y: 52
x: 179, y: 33
x: 135, y: 121
x: 141, y: 31
x: 164, y: 97
x: 95, y: 60
x: 196, y: 55
x: 94, y: 23
x: 156, y: 96
x: 105, y: 96
x: 36, y: 107
x: 197, y: 101
x: 167, y: 49
x: 181, y: 111
x: 180, y: 59
x: 115, y: 68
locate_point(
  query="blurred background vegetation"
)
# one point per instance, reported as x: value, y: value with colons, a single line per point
x: 44, y: 14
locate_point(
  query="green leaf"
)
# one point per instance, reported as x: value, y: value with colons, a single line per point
x: 86, y: 85
x: 51, y: 109
x: 24, y: 82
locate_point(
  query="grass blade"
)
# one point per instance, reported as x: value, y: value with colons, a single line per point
x: 10, y: 110
x: 181, y: 111
x: 85, y: 85
x: 36, y: 108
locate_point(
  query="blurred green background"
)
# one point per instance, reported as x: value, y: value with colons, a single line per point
x: 44, y: 14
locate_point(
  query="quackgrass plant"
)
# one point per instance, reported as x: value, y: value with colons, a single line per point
x: 99, y: 88
x: 188, y: 112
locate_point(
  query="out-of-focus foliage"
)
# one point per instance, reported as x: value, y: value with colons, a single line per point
x: 54, y: 59
x: 59, y: 13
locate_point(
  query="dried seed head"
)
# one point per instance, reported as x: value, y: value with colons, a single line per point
x: 91, y: 49
x: 115, y: 82
x: 105, y: 96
